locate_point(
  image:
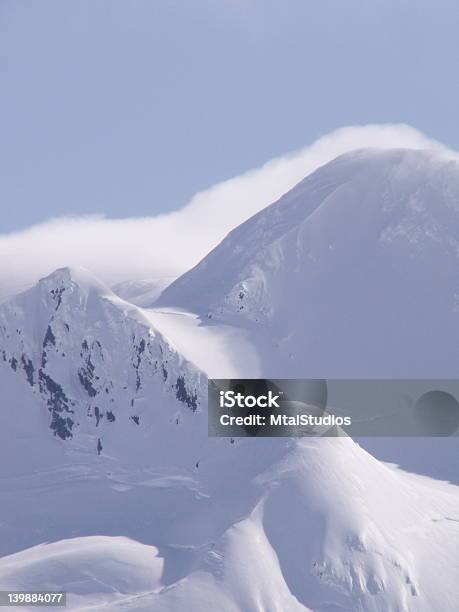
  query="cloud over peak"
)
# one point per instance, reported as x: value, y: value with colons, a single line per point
x: 167, y: 245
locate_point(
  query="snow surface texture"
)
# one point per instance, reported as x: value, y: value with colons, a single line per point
x: 110, y: 488
x: 353, y: 273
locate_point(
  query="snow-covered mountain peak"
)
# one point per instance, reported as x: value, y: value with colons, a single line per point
x: 351, y: 274
x: 75, y: 277
x: 91, y: 358
x: 344, y: 259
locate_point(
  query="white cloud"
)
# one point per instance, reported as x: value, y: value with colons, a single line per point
x: 168, y: 245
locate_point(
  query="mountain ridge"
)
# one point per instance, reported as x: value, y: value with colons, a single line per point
x: 104, y: 430
x: 60, y: 346
x: 344, y: 259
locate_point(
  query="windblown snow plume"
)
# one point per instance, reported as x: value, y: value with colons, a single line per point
x: 135, y: 249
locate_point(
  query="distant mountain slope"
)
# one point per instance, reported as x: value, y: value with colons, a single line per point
x: 352, y: 273
x: 142, y: 292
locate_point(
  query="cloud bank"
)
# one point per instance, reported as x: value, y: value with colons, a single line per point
x: 167, y: 245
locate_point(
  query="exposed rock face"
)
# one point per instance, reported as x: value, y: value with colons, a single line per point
x: 89, y: 355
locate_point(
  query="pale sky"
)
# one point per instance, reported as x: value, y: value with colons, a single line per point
x: 128, y: 108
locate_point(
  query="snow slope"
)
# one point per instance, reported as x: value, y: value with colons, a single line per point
x: 353, y: 273
x: 217, y: 349
x: 98, y: 569
x: 308, y: 528
x: 109, y: 485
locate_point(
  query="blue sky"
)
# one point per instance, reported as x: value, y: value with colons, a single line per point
x: 128, y: 108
